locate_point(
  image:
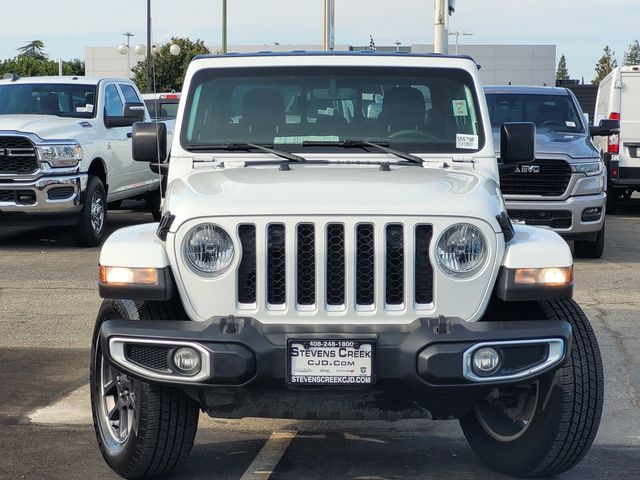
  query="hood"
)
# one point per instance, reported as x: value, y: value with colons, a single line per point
x: 46, y: 126
x: 548, y: 142
x: 335, y: 190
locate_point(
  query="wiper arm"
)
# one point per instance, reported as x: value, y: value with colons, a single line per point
x: 250, y: 146
x: 383, y: 146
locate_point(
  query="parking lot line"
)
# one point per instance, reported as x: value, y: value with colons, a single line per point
x: 74, y: 409
x: 268, y: 457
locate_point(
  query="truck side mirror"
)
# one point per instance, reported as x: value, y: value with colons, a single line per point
x: 607, y: 127
x: 132, y: 112
x: 149, y: 142
x: 518, y: 142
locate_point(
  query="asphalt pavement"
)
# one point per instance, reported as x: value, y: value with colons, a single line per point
x: 48, y: 303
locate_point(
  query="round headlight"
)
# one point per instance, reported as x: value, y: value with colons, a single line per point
x: 461, y: 250
x: 209, y: 249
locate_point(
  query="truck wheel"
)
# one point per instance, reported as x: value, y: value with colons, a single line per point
x: 143, y: 430
x: 153, y: 200
x: 590, y: 249
x: 93, y: 217
x: 546, y: 427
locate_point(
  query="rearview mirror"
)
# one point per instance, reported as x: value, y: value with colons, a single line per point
x: 132, y: 112
x: 607, y: 127
x: 518, y: 142
x: 149, y: 142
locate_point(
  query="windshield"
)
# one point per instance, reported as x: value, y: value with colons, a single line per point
x: 63, y: 100
x: 419, y: 109
x: 548, y: 112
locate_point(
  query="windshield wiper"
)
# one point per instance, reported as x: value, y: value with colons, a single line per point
x: 383, y: 146
x: 250, y: 146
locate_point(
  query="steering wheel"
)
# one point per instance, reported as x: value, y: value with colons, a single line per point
x: 412, y: 133
x: 552, y: 122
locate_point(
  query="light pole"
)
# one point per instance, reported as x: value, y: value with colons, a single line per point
x: 398, y: 43
x: 149, y: 53
x: 128, y: 35
x: 457, y: 35
x: 224, y: 26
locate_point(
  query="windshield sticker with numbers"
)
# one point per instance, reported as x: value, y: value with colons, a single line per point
x: 466, y: 141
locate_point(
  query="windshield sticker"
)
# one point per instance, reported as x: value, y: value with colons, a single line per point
x: 570, y: 124
x: 81, y: 109
x: 467, y: 141
x: 460, y: 108
x: 297, y: 140
x: 89, y: 108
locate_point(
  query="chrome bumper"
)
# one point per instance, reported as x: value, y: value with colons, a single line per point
x: 38, y: 196
x: 575, y: 205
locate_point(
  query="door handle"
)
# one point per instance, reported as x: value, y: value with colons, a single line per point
x: 130, y: 134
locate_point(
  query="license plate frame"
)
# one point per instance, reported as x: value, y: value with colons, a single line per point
x: 335, y: 375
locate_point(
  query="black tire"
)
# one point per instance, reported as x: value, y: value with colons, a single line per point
x: 167, y: 419
x: 590, y: 249
x: 613, y: 201
x: 153, y: 199
x: 91, y: 227
x: 565, y: 421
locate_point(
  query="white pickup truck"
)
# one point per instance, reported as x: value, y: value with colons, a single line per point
x: 65, y: 152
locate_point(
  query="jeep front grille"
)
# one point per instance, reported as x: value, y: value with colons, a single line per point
x: 551, y: 180
x: 335, y: 266
x: 17, y: 156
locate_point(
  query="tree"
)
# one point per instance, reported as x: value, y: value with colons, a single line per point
x: 28, y: 66
x: 563, y: 72
x: 33, y: 49
x: 606, y: 63
x: 169, y: 69
x: 632, y: 56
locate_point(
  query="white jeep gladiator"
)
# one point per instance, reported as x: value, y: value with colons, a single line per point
x: 65, y: 152
x: 333, y: 245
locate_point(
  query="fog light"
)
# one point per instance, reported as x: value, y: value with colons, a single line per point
x: 486, y: 361
x: 591, y: 214
x: 186, y: 360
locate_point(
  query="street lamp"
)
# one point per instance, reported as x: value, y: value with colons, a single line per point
x: 457, y: 35
x: 125, y: 50
x: 398, y: 43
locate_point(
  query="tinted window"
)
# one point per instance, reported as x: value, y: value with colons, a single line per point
x: 422, y: 109
x: 162, y: 108
x: 548, y: 112
x: 64, y: 100
x: 112, y: 102
x: 130, y: 95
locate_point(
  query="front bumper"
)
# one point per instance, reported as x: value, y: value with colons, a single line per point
x: 569, y: 217
x: 245, y: 362
x: 53, y: 195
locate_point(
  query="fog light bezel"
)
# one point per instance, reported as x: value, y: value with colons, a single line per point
x: 181, y: 370
x: 591, y: 217
x: 485, y: 373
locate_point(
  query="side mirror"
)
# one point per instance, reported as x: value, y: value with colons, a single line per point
x: 518, y: 142
x: 149, y: 142
x: 133, y: 112
x: 607, y: 127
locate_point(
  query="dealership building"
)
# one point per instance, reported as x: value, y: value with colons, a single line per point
x: 499, y: 64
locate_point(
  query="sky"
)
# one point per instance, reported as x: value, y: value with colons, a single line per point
x: 579, y: 28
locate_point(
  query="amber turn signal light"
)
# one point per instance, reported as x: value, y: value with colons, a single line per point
x: 544, y: 276
x: 126, y: 276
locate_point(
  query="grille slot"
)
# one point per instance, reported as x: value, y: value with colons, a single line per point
x: 247, y: 267
x: 7, y: 195
x: 60, y: 193
x: 394, y: 271
x: 549, y: 218
x: 552, y: 180
x: 335, y: 265
x: 276, y: 265
x: 306, y: 265
x: 155, y: 357
x: 365, y: 264
x: 519, y: 357
x: 423, y: 283
x: 17, y: 156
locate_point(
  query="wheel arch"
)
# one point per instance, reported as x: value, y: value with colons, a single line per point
x: 98, y: 167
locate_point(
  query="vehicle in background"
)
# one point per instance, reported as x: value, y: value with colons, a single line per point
x: 307, y: 265
x: 564, y: 188
x: 619, y: 100
x: 65, y: 152
x: 162, y: 106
